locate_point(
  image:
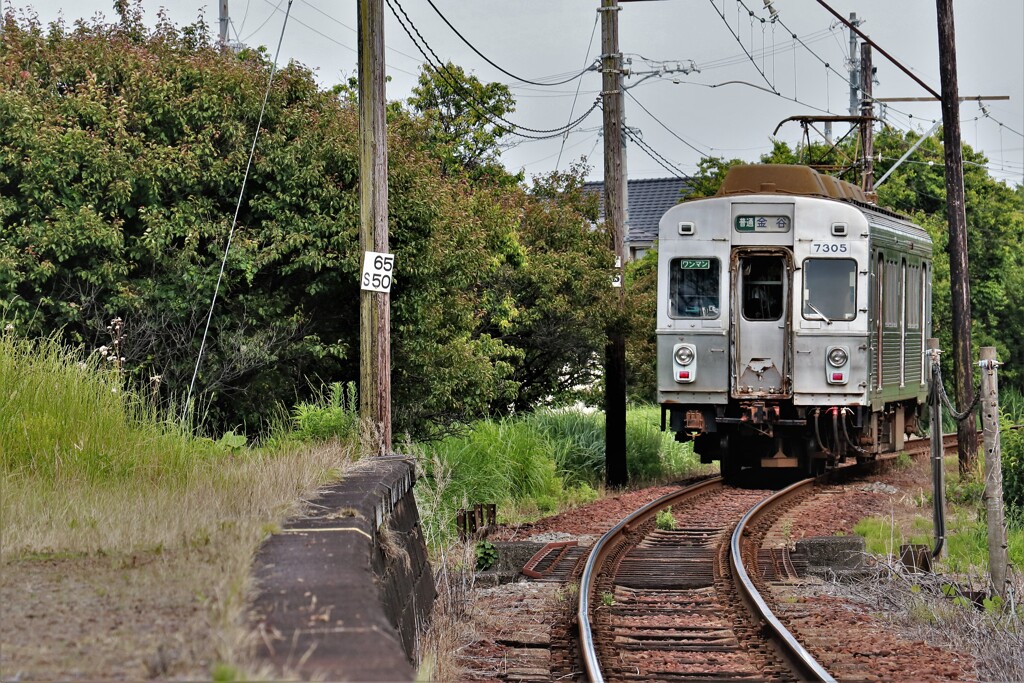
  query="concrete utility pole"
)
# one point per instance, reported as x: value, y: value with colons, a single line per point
x: 997, y: 560
x: 867, y: 110
x: 374, y: 306
x: 616, y: 472
x: 854, y: 66
x: 225, y: 19
x: 967, y: 435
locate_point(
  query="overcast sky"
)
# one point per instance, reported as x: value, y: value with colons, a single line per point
x: 686, y: 115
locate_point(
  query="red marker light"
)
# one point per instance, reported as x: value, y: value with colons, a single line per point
x: 684, y: 374
x: 837, y: 377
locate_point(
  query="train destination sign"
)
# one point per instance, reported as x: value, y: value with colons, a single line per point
x: 762, y: 223
x: 695, y: 264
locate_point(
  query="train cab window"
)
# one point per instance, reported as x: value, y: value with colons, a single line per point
x: 693, y: 287
x: 830, y: 289
x: 763, y: 293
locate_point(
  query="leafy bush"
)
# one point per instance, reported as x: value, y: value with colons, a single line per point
x: 1012, y: 441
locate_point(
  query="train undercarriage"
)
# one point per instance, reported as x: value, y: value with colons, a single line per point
x: 777, y: 435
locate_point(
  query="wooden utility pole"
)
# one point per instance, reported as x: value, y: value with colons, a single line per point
x: 997, y: 560
x: 967, y: 435
x: 374, y: 306
x: 616, y: 472
x: 867, y: 111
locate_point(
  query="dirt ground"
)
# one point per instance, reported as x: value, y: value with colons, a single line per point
x: 102, y: 618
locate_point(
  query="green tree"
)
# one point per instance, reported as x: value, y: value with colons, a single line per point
x: 466, y: 120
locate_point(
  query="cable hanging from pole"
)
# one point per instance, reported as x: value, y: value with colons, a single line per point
x: 507, y: 73
x: 238, y: 208
x: 452, y: 81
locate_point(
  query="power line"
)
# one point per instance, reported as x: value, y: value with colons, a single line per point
x: 460, y: 91
x: 484, y: 57
x: 662, y: 124
x: 653, y: 154
x: 744, y: 47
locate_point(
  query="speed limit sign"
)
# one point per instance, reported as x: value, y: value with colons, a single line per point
x: 378, y: 271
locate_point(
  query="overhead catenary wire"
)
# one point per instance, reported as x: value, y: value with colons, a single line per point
x: 745, y: 50
x: 502, y: 70
x: 238, y: 208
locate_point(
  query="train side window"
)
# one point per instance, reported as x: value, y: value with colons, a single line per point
x: 694, y: 288
x: 830, y: 289
x: 762, y: 287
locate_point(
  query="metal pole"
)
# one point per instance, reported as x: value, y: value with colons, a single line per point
x: 906, y: 155
x: 997, y: 547
x: 938, y: 476
x: 374, y: 307
x: 616, y: 473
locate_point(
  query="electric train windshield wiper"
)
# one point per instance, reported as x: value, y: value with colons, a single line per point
x: 815, y: 309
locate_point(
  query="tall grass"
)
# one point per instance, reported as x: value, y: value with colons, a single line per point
x: 541, y: 463
x: 64, y: 417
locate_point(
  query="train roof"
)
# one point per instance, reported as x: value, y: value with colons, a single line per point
x: 797, y: 180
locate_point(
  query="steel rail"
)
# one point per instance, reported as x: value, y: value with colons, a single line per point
x: 600, y: 552
x: 794, y: 652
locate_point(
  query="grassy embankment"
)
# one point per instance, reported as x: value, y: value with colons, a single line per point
x: 967, y: 544
x: 941, y: 608
x: 127, y: 541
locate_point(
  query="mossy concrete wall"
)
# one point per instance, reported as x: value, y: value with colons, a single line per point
x: 343, y: 591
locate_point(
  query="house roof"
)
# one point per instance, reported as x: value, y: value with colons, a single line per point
x: 649, y: 199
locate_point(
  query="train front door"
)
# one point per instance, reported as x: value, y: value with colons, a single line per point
x: 761, y: 313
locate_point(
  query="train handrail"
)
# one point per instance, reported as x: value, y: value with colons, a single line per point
x: 597, y: 554
x: 799, y: 654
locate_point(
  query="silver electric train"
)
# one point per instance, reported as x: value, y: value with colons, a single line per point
x: 792, y: 321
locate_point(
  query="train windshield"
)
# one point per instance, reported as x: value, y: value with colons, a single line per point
x: 693, y: 286
x: 830, y: 289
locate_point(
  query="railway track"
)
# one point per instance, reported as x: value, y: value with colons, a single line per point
x: 678, y: 605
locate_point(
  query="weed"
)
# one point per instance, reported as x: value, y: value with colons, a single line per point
x: 486, y: 555
x: 665, y: 520
x: 607, y: 599
x: 903, y: 461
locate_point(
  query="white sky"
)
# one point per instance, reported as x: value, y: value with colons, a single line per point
x: 539, y: 39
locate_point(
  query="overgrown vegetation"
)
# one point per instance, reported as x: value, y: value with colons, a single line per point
x: 539, y: 464
x: 121, y: 156
x: 93, y: 480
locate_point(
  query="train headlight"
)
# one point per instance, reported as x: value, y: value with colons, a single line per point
x: 684, y: 363
x: 684, y: 355
x: 837, y: 365
x: 838, y: 357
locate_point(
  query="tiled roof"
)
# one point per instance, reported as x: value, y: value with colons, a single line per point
x: 649, y: 199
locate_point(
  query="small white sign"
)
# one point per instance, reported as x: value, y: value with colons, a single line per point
x: 616, y: 280
x: 378, y: 270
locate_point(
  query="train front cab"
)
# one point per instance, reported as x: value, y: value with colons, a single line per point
x: 768, y: 347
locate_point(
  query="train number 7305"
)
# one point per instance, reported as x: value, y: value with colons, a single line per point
x: 829, y: 248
